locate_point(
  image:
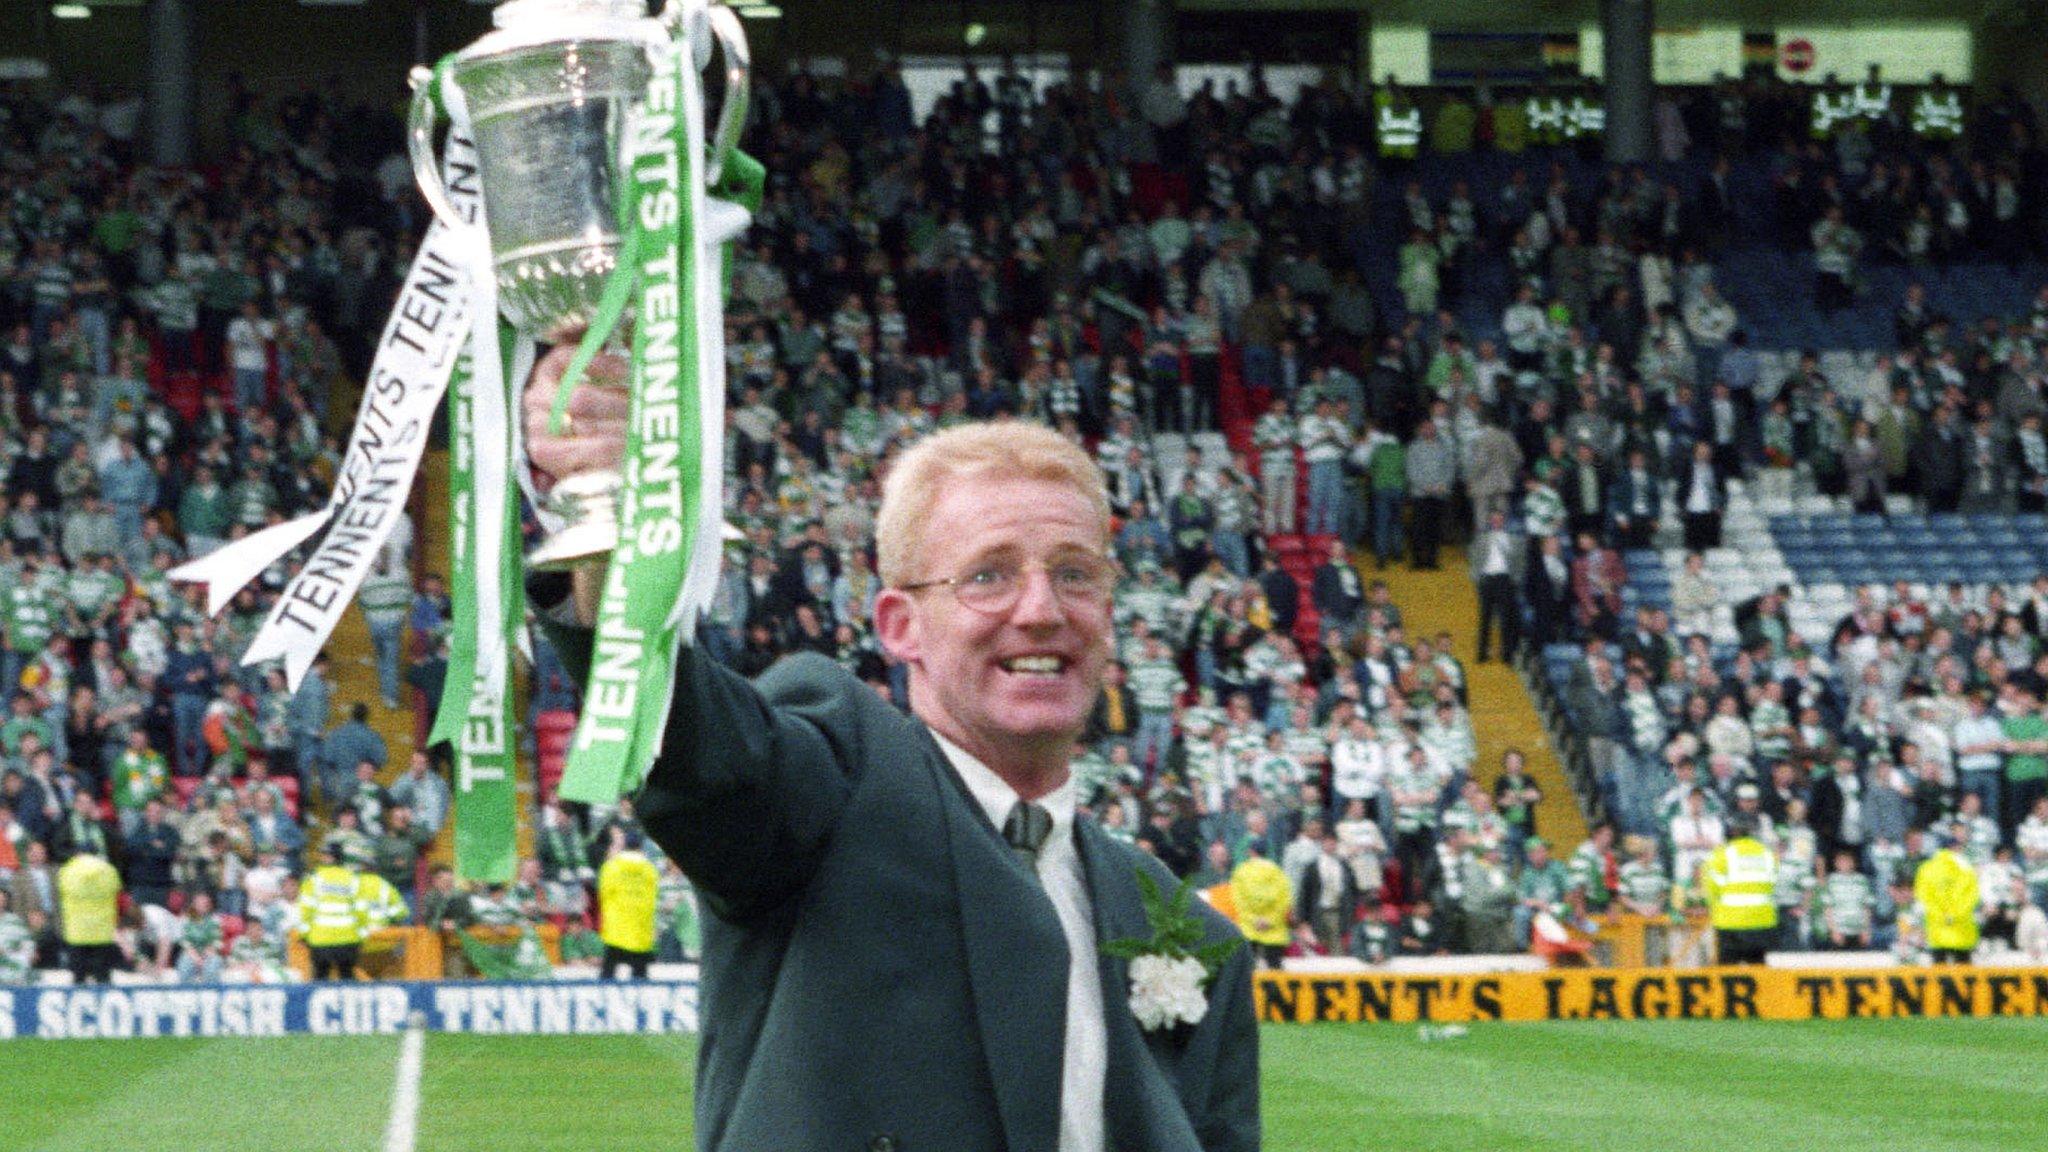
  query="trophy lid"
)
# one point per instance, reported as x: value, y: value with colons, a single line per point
x: 513, y: 13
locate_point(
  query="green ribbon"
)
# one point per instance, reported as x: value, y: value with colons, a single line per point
x: 633, y: 652
x: 477, y: 715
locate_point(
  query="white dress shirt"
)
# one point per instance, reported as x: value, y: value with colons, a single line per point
x: 1497, y: 563
x: 1059, y: 870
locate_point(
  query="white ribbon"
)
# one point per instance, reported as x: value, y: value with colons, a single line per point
x: 491, y: 414
x: 410, y: 373
x: 717, y: 222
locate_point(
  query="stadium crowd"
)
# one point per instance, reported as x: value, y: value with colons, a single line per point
x: 1188, y: 283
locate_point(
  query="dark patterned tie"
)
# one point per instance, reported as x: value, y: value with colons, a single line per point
x: 1026, y: 829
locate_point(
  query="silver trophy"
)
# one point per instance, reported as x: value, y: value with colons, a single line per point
x: 548, y: 92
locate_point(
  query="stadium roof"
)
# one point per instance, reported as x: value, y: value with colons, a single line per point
x: 1489, y: 15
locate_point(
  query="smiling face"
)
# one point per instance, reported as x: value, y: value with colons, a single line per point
x: 1012, y: 688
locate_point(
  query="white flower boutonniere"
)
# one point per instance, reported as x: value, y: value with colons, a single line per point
x: 1171, y: 971
x: 1166, y: 992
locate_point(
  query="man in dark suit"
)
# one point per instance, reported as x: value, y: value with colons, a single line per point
x: 1584, y: 491
x: 1115, y: 716
x: 772, y: 596
x: 1547, y: 586
x: 1634, y: 501
x: 1283, y: 595
x: 1701, y: 498
x: 1650, y: 641
x: 905, y: 912
x: 1833, y: 797
x: 1807, y: 688
x: 1337, y: 592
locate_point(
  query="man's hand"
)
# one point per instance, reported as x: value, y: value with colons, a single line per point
x: 595, y: 438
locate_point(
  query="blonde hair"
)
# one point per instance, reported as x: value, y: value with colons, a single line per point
x: 1010, y: 450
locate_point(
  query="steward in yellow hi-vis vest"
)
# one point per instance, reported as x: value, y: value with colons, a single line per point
x: 334, y: 914
x: 1946, y: 889
x: 88, y: 904
x: 1397, y: 122
x: 1739, y: 880
x: 628, y: 893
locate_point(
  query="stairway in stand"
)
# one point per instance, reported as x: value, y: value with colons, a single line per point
x: 355, y: 672
x: 353, y: 664
x: 431, y: 555
x: 1503, y: 715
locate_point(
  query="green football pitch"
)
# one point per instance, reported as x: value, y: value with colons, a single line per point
x: 1953, y: 1085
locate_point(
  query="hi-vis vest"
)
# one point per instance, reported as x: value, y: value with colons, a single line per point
x: 1739, y: 879
x: 1830, y: 109
x: 382, y: 904
x: 1546, y: 119
x: 1946, y: 887
x: 1398, y: 125
x: 1587, y: 117
x: 334, y: 907
x: 1938, y: 115
x: 1873, y: 102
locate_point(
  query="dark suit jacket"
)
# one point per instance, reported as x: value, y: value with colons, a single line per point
x: 1331, y: 598
x: 1283, y: 594
x: 1799, y: 696
x: 1549, y: 600
x: 1577, y: 493
x: 1098, y: 720
x: 1310, y: 897
x: 1656, y: 649
x: 1621, y: 495
x: 1824, y: 813
x: 877, y: 964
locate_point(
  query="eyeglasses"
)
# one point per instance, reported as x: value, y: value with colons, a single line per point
x: 994, y: 586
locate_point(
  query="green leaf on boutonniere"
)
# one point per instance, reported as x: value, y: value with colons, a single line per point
x: 1177, y: 932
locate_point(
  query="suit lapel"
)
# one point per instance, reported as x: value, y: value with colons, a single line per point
x: 1016, y: 964
x: 1142, y: 1109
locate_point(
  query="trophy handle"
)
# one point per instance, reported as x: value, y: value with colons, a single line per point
x: 724, y: 24
x: 419, y: 139
x: 732, y: 116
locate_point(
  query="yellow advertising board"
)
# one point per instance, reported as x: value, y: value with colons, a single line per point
x: 1653, y: 994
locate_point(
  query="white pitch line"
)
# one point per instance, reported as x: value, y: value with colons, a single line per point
x: 403, y: 1128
